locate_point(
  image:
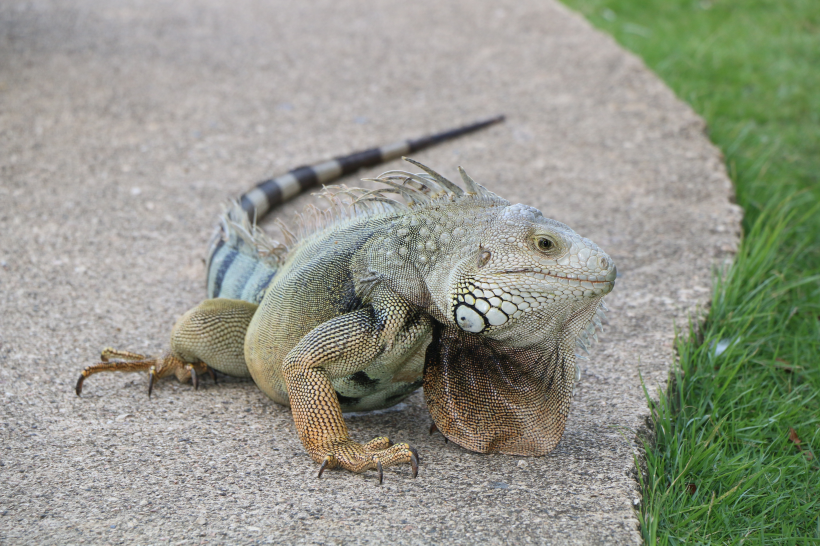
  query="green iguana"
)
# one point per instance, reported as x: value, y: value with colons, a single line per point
x: 453, y: 289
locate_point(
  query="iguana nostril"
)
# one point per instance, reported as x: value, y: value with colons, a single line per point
x: 612, y: 274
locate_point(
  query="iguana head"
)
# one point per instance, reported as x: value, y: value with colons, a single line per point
x: 523, y: 295
x: 528, y: 276
x: 511, y: 292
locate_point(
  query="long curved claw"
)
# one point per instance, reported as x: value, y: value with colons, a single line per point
x: 151, y: 374
x: 380, y: 470
x: 79, y: 388
x: 194, y: 376
x: 325, y: 462
x: 212, y: 374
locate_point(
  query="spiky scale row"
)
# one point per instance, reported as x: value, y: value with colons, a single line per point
x: 348, y: 204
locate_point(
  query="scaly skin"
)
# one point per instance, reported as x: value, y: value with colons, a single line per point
x: 480, y: 301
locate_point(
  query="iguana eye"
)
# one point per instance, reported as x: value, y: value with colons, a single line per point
x: 545, y: 244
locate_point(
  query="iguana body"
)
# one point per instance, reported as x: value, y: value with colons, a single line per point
x: 479, y: 301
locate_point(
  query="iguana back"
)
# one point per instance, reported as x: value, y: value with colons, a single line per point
x: 242, y: 260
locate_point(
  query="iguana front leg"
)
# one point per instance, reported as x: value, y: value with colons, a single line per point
x: 338, y: 348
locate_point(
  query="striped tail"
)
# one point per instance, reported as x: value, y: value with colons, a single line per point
x: 242, y: 260
x: 269, y: 193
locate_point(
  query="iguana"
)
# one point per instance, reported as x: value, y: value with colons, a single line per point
x: 420, y: 283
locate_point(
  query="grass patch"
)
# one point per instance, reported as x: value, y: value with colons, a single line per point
x: 738, y: 431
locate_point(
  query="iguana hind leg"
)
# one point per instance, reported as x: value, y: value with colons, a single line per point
x: 125, y: 361
x: 211, y: 336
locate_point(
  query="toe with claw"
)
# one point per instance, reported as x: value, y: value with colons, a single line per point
x: 112, y: 360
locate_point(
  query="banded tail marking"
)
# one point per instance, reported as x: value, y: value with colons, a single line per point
x: 269, y: 193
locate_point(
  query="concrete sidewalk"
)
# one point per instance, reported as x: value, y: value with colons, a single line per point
x: 124, y: 126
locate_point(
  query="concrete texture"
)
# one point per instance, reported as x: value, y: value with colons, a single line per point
x: 124, y: 126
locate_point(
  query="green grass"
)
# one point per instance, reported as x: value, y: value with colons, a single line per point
x: 725, y: 466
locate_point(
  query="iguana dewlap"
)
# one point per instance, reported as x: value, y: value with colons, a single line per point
x: 419, y: 283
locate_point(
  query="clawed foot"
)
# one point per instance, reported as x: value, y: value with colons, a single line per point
x: 376, y: 454
x: 125, y: 361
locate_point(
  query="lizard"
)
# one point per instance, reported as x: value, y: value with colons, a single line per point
x: 420, y: 283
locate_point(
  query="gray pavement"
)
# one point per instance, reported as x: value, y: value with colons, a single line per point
x: 124, y: 126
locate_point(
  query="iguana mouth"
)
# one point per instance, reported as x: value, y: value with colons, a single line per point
x: 560, y: 277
